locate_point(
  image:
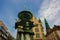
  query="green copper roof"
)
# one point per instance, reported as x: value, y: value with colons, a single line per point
x: 46, y: 24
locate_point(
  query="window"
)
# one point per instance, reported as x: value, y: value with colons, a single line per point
x: 2, y: 30
x: 37, y: 35
x: 36, y: 30
x: 0, y: 27
x: 41, y: 25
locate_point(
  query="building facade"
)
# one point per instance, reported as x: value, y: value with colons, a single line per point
x: 54, y: 33
x: 38, y: 29
x: 4, y: 33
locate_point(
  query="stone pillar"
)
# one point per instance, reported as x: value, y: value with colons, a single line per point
x: 22, y: 36
x: 27, y: 37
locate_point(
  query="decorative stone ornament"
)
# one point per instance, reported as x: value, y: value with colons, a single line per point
x: 25, y: 24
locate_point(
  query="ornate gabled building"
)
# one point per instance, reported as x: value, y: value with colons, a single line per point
x: 54, y: 33
x: 56, y: 28
x: 38, y: 30
x: 4, y: 33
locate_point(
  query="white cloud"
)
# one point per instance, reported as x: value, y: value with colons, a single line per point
x: 57, y: 22
x: 49, y: 9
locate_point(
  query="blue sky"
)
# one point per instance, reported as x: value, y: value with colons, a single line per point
x: 9, y: 9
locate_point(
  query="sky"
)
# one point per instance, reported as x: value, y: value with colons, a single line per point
x: 49, y: 9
